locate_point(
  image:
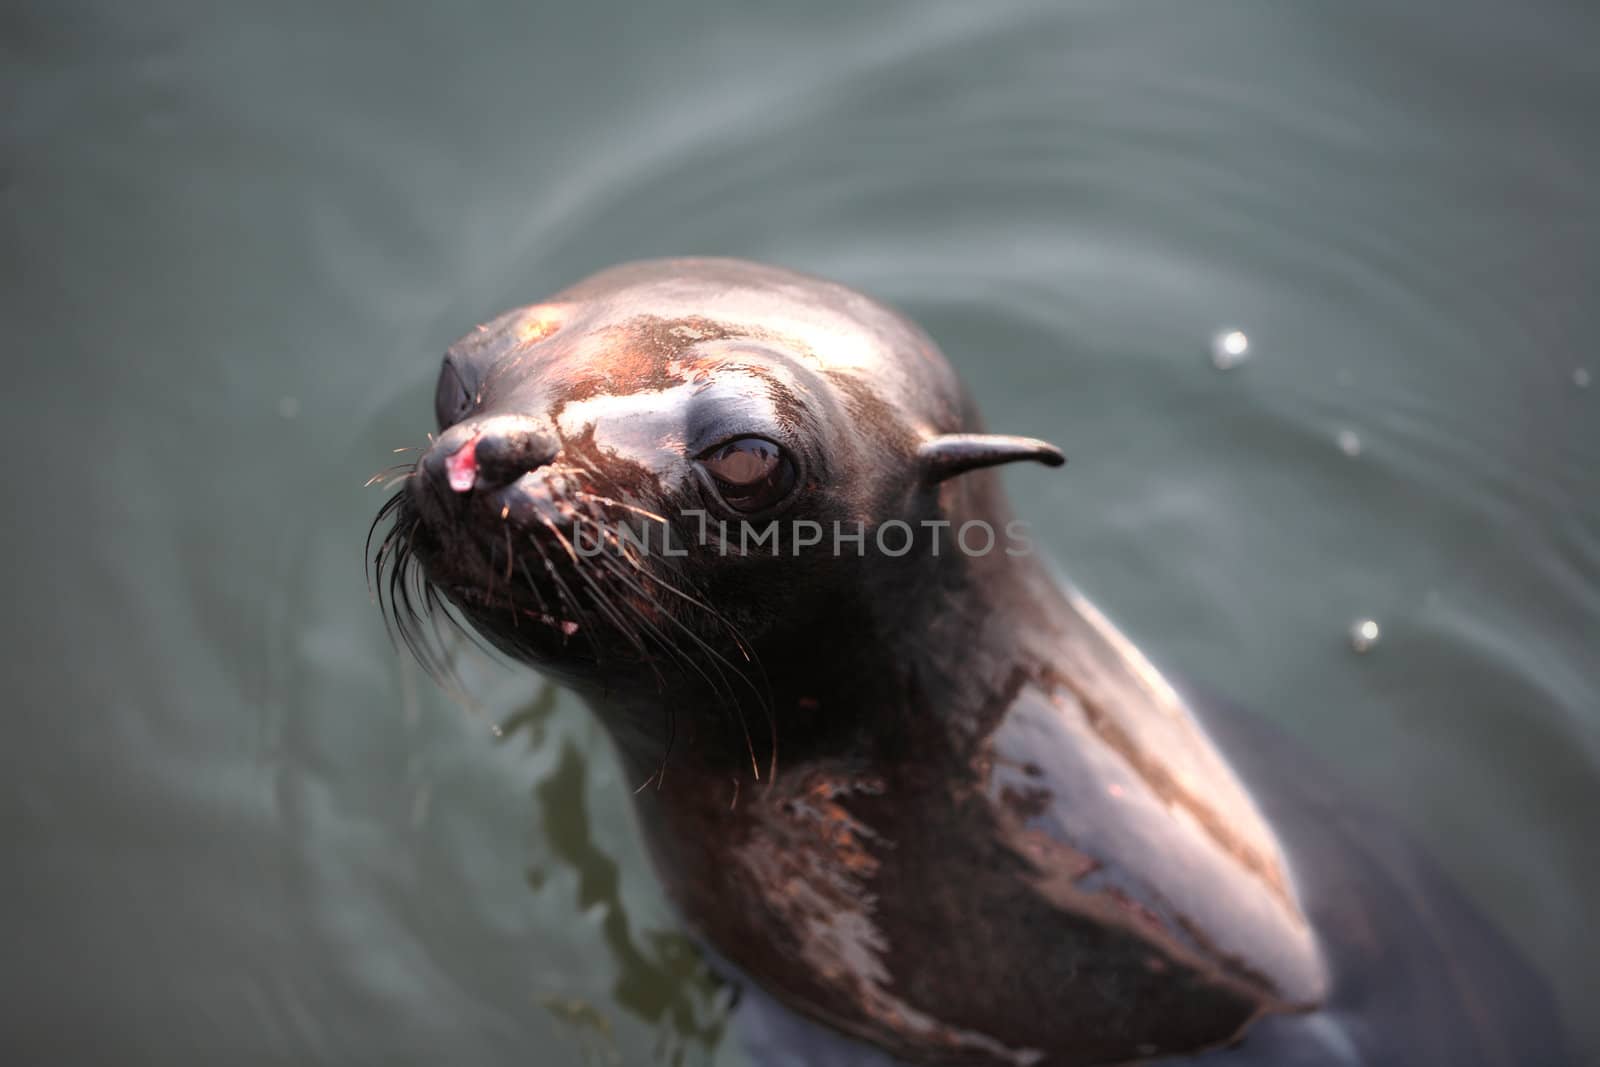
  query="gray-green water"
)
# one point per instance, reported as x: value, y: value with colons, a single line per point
x: 240, y: 828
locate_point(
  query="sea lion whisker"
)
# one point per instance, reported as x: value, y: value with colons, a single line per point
x: 602, y: 602
x: 510, y: 552
x: 420, y: 630
x: 388, y: 472
x: 403, y: 620
x: 408, y: 622
x: 764, y: 695
x: 670, y: 646
x: 538, y: 595
x: 561, y: 537
x: 614, y: 570
x: 717, y: 658
x: 439, y: 608
x: 398, y: 560
x: 371, y: 564
x: 564, y: 593
x: 733, y: 631
x: 619, y: 504
x: 719, y: 684
x: 624, y: 550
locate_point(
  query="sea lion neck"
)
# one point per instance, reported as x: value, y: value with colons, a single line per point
x: 916, y: 666
x: 1071, y: 792
x: 913, y: 644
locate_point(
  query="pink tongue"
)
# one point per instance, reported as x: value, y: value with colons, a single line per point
x: 462, y: 466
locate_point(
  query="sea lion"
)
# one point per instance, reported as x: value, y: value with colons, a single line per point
x: 892, y: 770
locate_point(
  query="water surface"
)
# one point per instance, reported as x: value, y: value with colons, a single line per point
x: 242, y: 829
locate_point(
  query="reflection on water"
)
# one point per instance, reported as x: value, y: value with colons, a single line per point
x: 237, y: 241
x: 661, y: 979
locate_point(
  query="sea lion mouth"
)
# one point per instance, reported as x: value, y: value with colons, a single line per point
x: 528, y: 552
x: 514, y: 567
x: 552, y: 572
x: 473, y: 563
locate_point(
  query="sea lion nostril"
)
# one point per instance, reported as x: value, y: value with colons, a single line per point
x: 461, y: 467
x: 503, y: 456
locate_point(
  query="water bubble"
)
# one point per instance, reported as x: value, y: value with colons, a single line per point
x: 1581, y: 378
x: 1349, y: 443
x: 1363, y: 635
x: 288, y: 407
x: 1229, y: 349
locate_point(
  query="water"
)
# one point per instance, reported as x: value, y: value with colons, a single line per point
x: 242, y: 829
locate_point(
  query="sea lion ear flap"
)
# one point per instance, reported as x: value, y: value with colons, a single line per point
x: 951, y: 454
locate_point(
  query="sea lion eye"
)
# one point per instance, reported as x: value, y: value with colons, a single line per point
x: 751, y: 473
x: 452, y: 400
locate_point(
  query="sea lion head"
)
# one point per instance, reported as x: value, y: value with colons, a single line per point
x: 610, y: 463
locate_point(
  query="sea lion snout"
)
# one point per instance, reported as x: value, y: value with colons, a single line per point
x: 488, y: 453
x: 509, y: 447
